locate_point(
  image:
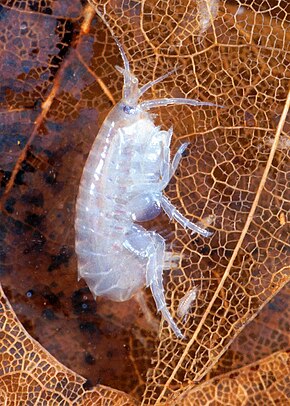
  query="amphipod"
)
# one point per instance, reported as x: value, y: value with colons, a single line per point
x: 186, y: 303
x: 122, y: 183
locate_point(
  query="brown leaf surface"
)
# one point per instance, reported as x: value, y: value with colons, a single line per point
x: 43, y: 377
x: 29, y: 375
x: 262, y: 383
x: 269, y: 332
x: 58, y: 83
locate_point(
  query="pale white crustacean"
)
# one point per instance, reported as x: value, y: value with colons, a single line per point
x: 186, y: 302
x: 122, y: 183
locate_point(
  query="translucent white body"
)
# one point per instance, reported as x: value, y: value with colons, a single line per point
x: 185, y: 303
x: 123, y: 181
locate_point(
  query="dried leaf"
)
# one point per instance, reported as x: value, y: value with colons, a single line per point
x: 30, y: 375
x: 265, y: 382
x: 266, y: 334
x: 58, y: 84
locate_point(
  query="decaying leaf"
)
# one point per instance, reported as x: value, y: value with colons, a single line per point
x: 58, y: 84
x: 266, y: 334
x: 262, y: 383
x: 29, y: 375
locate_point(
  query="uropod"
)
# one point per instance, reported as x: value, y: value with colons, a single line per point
x: 122, y: 184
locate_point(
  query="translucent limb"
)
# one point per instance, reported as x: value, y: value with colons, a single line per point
x: 154, y: 82
x: 155, y: 281
x: 151, y: 104
x: 169, y: 169
x: 173, y: 213
x: 177, y: 158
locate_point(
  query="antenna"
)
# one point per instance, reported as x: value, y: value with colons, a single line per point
x: 153, y: 82
x: 123, y: 55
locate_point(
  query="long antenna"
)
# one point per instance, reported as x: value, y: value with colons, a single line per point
x: 153, y: 82
x: 123, y: 55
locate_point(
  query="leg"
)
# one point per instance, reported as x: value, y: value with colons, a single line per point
x: 168, y: 169
x: 173, y: 213
x: 155, y: 281
x: 165, y: 168
x: 151, y: 104
x: 177, y: 158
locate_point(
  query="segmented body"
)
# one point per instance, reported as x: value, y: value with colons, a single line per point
x: 113, y: 251
x: 122, y: 183
x: 185, y: 303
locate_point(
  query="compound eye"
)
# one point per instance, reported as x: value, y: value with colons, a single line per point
x: 128, y: 109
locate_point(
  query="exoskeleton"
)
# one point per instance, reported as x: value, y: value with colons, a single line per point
x: 122, y: 184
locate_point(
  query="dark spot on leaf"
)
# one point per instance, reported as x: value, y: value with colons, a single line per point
x: 228, y: 253
x: 37, y: 104
x: 27, y: 324
x: 17, y: 42
x: 56, y: 127
x: 61, y: 259
x: 40, y: 6
x: 81, y: 303
x: 26, y: 66
x: 37, y: 242
x: 69, y: 74
x: 277, y: 305
x: 33, y: 219
x: 51, y: 298
x: 48, y: 314
x: 27, y: 167
x: 89, y: 327
x: 17, y: 227
x: 87, y: 385
x: 234, y: 375
x: 89, y: 359
x: 29, y: 293
x: 3, y: 12
x: 33, y: 5
x: 48, y: 153
x: 255, y: 368
x: 50, y: 177
x: 3, y: 232
x: 34, y: 52
x: 9, y: 205
x: 110, y: 354
x: 47, y: 10
x: 34, y: 198
x: 4, y: 176
x: 19, y: 177
x: 205, y: 250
